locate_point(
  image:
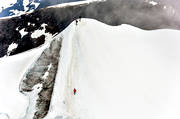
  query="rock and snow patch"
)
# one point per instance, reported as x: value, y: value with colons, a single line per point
x: 6, y: 3
x: 29, y: 24
x: 25, y: 3
x: 38, y: 33
x: 46, y: 74
x: 23, y: 32
x: 46, y: 65
x: 11, y: 47
x: 33, y: 24
x: 16, y: 12
x: 35, y: 4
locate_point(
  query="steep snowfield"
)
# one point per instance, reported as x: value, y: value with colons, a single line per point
x: 13, y: 104
x: 119, y: 73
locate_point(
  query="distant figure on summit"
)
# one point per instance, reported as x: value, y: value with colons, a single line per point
x: 78, y: 20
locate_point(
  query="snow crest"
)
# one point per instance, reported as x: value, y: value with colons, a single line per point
x: 119, y: 72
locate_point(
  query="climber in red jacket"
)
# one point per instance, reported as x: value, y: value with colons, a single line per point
x: 74, y: 91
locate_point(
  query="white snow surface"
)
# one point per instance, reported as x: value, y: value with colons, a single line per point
x: 38, y: 33
x: 13, y: 104
x: 119, y: 72
x: 11, y: 47
x: 23, y: 32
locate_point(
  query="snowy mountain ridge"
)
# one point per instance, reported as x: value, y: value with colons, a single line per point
x: 113, y: 67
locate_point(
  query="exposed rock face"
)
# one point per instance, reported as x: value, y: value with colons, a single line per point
x: 138, y: 13
x: 43, y: 72
x: 10, y: 32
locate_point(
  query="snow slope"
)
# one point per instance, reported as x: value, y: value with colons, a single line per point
x: 13, y: 104
x: 119, y: 73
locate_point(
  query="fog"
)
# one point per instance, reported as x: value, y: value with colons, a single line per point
x: 138, y: 12
x: 145, y: 14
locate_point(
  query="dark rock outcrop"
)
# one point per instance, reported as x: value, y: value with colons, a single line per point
x: 43, y: 72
